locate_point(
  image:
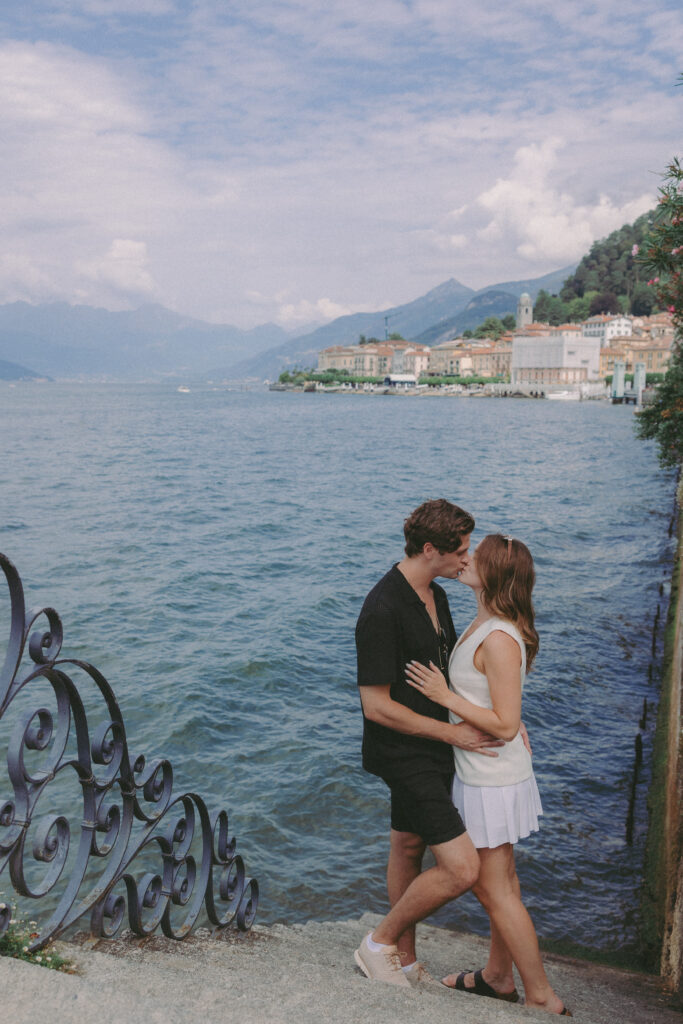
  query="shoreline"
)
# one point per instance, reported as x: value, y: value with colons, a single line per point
x: 498, y: 390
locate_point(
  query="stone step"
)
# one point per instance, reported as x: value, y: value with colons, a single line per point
x: 301, y: 974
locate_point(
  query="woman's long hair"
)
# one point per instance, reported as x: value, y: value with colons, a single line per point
x: 506, y: 570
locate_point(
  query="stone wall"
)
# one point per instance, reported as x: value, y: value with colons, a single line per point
x: 662, y: 903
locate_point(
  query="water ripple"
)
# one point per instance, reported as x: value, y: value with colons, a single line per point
x: 211, y: 558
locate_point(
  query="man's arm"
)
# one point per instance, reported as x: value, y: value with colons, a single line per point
x: 379, y: 707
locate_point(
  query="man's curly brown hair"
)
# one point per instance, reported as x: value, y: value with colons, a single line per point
x: 437, y: 522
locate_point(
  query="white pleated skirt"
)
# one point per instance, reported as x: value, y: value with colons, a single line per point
x: 494, y: 815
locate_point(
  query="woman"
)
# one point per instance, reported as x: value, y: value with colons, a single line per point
x: 497, y: 797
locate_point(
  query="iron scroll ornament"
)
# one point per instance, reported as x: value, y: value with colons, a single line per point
x: 129, y: 811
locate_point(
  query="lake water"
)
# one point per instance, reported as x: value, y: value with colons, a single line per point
x: 210, y: 551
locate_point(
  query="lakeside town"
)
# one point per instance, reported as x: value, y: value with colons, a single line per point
x: 607, y: 355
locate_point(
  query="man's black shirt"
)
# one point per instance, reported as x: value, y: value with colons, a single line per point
x: 394, y: 628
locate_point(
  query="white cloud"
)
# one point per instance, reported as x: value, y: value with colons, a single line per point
x: 305, y: 312
x: 123, y: 269
x: 234, y: 160
x: 531, y: 215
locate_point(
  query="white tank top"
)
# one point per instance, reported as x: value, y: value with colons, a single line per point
x: 513, y: 763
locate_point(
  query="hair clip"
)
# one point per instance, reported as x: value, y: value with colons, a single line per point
x: 508, y: 538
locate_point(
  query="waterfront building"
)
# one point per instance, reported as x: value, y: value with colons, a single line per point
x: 337, y: 357
x: 607, y: 326
x: 493, y: 361
x: 375, y: 359
x: 658, y: 325
x: 413, y: 360
x: 450, y: 358
x: 654, y: 353
x: 561, y: 355
x: 401, y: 381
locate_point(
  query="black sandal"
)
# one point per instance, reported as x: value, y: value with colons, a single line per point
x: 482, y: 988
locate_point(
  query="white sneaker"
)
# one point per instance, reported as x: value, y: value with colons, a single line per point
x: 418, y: 973
x: 382, y: 966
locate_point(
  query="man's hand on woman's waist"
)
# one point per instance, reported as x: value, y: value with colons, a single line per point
x: 468, y: 738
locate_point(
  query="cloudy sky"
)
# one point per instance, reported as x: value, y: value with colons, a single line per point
x: 246, y: 161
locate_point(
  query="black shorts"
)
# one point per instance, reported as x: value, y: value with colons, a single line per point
x: 422, y: 804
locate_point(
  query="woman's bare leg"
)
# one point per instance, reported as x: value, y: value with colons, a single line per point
x: 511, y: 929
x: 498, y: 970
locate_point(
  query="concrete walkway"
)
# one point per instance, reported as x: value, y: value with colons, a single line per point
x: 304, y: 974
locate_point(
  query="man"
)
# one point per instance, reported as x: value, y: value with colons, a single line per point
x: 407, y: 738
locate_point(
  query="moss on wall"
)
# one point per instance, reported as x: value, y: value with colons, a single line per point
x: 662, y: 894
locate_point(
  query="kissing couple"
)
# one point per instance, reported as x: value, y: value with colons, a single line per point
x: 442, y: 727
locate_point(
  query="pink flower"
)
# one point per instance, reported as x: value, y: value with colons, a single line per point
x: 635, y: 250
x: 672, y: 309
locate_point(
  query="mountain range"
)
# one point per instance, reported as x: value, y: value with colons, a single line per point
x: 82, y: 342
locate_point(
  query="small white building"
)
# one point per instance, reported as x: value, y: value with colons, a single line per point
x: 412, y: 360
x: 400, y: 380
x: 605, y: 327
x: 560, y: 356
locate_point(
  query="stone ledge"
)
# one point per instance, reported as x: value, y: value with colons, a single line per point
x: 303, y: 974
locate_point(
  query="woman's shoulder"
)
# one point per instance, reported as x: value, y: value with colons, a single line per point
x: 497, y: 627
x: 499, y: 622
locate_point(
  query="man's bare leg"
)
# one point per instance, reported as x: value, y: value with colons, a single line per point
x: 456, y: 870
x: 406, y: 851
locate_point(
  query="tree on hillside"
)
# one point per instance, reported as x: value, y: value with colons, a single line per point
x: 642, y: 300
x: 605, y: 302
x: 549, y: 309
x: 611, y: 266
x: 491, y: 327
x: 662, y: 255
x: 509, y: 322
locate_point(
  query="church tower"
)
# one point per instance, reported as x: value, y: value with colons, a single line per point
x: 525, y: 310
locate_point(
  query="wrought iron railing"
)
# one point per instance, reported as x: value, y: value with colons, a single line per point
x: 126, y: 810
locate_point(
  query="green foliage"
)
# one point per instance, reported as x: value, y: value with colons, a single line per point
x: 662, y: 419
x: 578, y: 309
x: 295, y: 377
x: 611, y: 267
x: 605, y: 302
x: 650, y: 378
x: 491, y: 327
x: 396, y: 336
x: 643, y: 300
x: 509, y: 322
x: 549, y: 309
x: 16, y: 942
x: 339, y: 377
x: 662, y: 255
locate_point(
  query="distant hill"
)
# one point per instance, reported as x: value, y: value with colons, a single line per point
x: 438, y: 314
x: 12, y: 371
x: 150, y: 342
x: 491, y: 303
